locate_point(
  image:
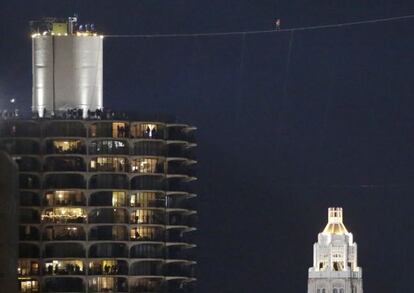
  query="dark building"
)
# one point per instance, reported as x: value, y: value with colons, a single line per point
x: 8, y: 223
x: 106, y: 200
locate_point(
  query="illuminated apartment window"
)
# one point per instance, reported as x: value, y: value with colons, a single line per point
x: 63, y: 233
x: 118, y: 198
x: 120, y: 129
x: 107, y: 267
x: 64, y: 215
x: 27, y: 268
x: 146, y: 234
x: 109, y: 164
x: 147, y: 199
x: 146, y: 130
x: 146, y: 165
x: 67, y: 146
x: 29, y: 286
x: 147, y: 217
x: 102, y: 284
x: 64, y: 267
x: 64, y: 198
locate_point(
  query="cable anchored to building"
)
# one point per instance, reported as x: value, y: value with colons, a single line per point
x: 235, y: 33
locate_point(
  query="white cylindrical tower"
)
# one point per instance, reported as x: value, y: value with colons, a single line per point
x: 67, y: 69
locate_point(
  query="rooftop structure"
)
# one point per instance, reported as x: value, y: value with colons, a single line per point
x: 67, y: 66
x: 335, y: 261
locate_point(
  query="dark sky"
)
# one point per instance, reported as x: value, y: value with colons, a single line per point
x: 278, y: 144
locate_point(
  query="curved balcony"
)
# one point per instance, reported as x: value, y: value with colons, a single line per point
x: 20, y: 146
x: 28, y: 233
x: 29, y: 216
x: 148, y: 182
x: 28, y: 250
x: 28, y: 198
x: 29, y: 285
x: 108, y: 198
x: 64, y: 233
x: 149, y: 148
x: 147, y: 199
x: 64, y: 267
x: 109, y: 181
x: 108, y: 267
x: 64, y: 215
x: 179, y: 269
x: 180, y: 167
x: 110, y: 232
x: 27, y: 164
x: 64, y: 164
x: 181, y: 285
x: 108, y: 250
x: 148, y: 216
x: 176, y: 150
x: 180, y: 133
x: 63, y: 284
x: 108, y: 147
x: 27, y: 267
x: 64, y: 198
x: 64, y: 250
x: 179, y: 234
x: 65, y: 146
x: 180, y: 201
x: 147, y: 130
x: 108, y: 164
x: 179, y: 184
x: 180, y: 150
x: 147, y: 233
x: 108, y: 284
x: 182, y: 218
x: 64, y: 181
x: 19, y: 129
x: 181, y: 251
x: 65, y: 129
x: 147, y: 251
x: 29, y: 181
x: 108, y: 215
x: 147, y: 268
x: 148, y: 285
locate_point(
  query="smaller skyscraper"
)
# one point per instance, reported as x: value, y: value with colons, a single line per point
x: 335, y: 260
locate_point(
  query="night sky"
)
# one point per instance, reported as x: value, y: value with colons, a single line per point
x: 280, y: 140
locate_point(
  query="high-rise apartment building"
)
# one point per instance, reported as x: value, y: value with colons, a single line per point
x: 106, y: 199
x: 335, y: 260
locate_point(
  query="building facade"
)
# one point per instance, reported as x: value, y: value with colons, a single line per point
x: 105, y: 205
x: 9, y: 223
x: 106, y: 199
x: 335, y: 259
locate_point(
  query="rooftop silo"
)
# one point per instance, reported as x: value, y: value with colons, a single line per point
x: 67, y: 66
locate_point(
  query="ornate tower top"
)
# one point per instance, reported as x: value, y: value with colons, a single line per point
x: 335, y: 222
x: 335, y: 259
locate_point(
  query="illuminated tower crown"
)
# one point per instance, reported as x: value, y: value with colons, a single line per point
x: 335, y: 263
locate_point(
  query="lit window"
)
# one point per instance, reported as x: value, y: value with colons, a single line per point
x: 118, y: 198
x: 64, y: 215
x: 63, y: 267
x: 144, y: 165
x: 111, y: 164
x: 67, y: 146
